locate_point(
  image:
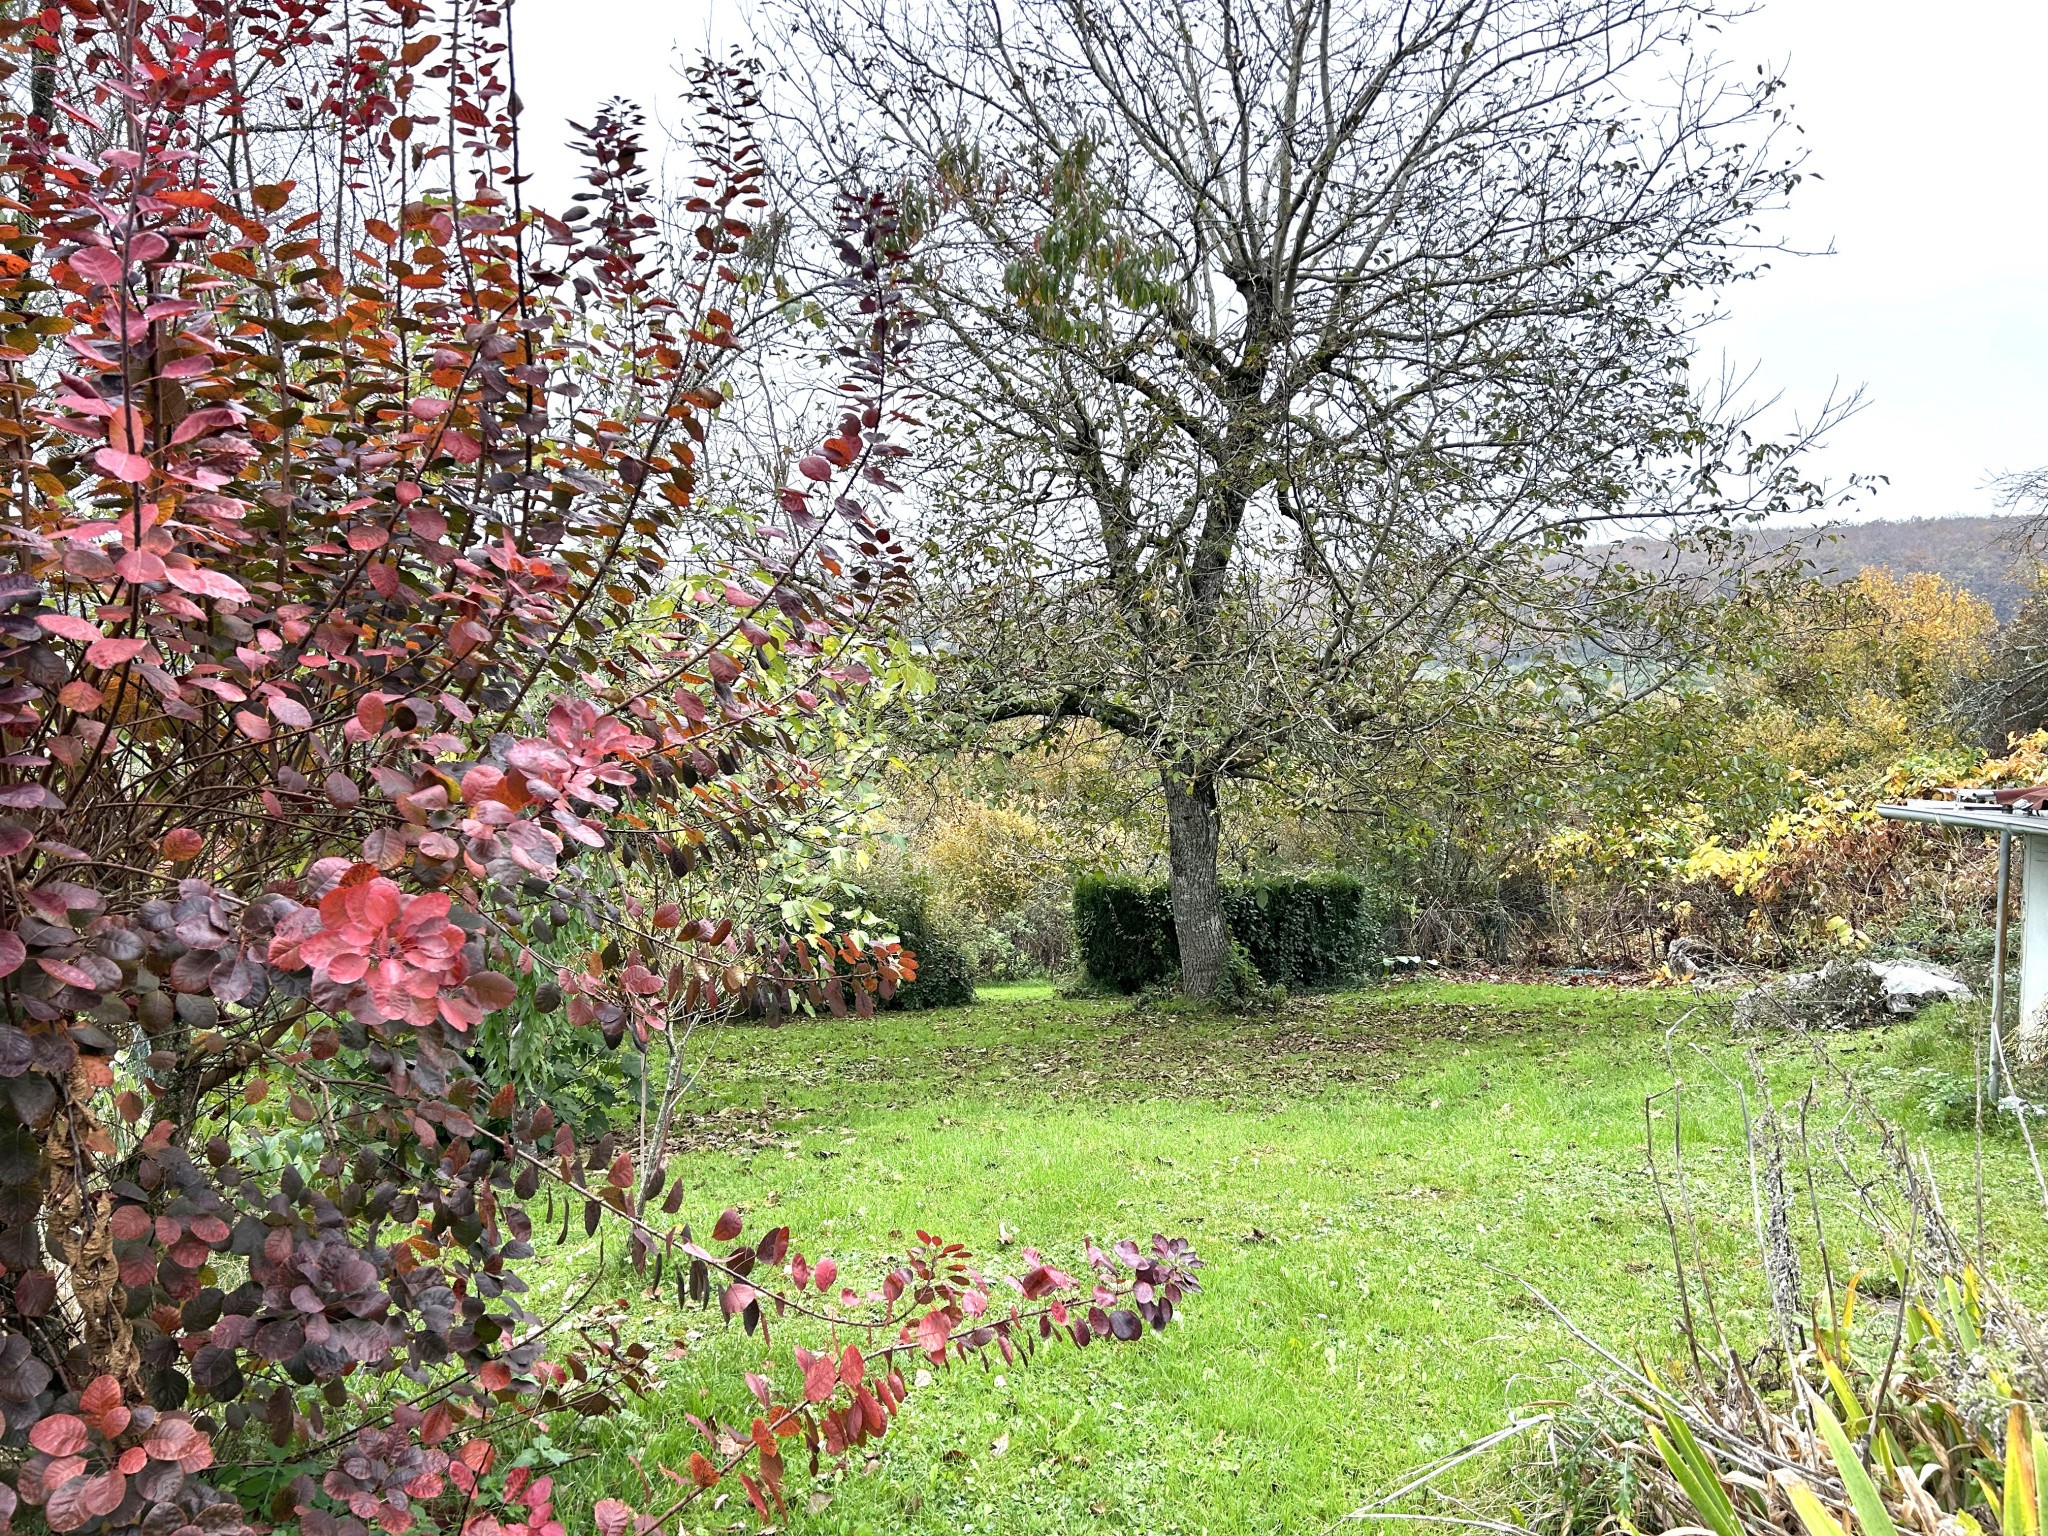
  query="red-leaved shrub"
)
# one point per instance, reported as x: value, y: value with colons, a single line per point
x: 340, y: 489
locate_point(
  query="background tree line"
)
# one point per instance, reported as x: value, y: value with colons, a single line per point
x: 1727, y: 813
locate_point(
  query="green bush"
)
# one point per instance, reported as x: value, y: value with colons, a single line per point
x: 1240, y: 989
x: 945, y: 970
x: 1123, y: 931
x: 1301, y: 933
x: 1319, y: 931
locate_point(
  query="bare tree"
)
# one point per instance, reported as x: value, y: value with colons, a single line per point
x: 1307, y: 359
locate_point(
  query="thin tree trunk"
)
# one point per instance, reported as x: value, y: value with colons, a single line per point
x: 1192, y: 824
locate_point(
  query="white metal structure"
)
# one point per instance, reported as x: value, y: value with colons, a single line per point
x: 1980, y: 810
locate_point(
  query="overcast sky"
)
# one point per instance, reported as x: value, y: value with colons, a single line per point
x: 1928, y: 130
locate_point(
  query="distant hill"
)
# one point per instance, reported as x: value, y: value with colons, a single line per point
x: 1980, y: 553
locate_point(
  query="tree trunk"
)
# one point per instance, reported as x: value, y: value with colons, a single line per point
x: 1192, y: 824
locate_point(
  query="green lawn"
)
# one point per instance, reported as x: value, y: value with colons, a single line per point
x: 1370, y: 1178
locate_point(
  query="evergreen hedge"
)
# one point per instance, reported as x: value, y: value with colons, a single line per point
x: 1301, y: 933
x: 945, y: 972
x: 1123, y: 932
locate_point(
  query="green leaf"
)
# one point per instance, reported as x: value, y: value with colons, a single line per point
x: 2040, y: 1447
x: 1845, y: 1392
x: 1962, y: 1308
x: 1812, y: 1513
x: 1871, y: 1515
x: 2022, y: 1513
x: 1689, y: 1464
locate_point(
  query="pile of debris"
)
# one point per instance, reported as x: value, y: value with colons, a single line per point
x: 1849, y: 994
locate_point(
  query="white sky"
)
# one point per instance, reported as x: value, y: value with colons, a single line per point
x: 1927, y: 125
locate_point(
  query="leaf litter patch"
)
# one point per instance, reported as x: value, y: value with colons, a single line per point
x: 1317, y: 1044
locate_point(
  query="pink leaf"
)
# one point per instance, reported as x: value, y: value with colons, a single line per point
x: 199, y: 423
x: 65, y: 1509
x: 428, y: 522
x: 102, y: 1393
x: 290, y: 713
x: 198, y: 579
x: 493, y: 989
x: 69, y: 626
x: 115, y: 650
x: 466, y: 635
x: 71, y: 976
x: 61, y: 1434
x: 12, y: 952
x: 102, y: 1495
x: 97, y: 264
x: 820, y: 1377
x: 176, y: 1440
x: 140, y: 565
x: 131, y: 467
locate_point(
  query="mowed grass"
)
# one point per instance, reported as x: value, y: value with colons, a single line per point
x: 1375, y: 1180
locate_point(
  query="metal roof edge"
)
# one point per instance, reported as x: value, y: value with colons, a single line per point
x: 1984, y: 818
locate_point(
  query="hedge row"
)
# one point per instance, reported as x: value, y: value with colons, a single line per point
x: 1317, y: 931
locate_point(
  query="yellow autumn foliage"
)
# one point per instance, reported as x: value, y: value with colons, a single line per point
x: 1857, y: 707
x: 988, y: 859
x: 1871, y: 680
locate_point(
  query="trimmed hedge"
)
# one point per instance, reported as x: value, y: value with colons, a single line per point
x: 1315, y: 931
x: 1123, y: 932
x: 945, y: 973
